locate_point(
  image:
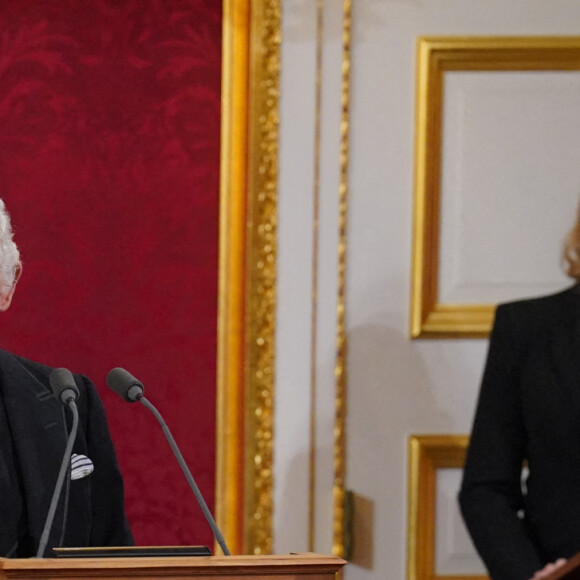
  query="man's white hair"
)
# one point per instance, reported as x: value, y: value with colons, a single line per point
x: 9, y: 254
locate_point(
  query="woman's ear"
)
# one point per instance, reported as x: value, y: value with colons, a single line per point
x: 7, y: 294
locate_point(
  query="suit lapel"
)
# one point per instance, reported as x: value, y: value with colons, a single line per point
x: 38, y: 431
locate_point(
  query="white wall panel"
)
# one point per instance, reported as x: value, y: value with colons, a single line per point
x: 396, y: 386
x: 510, y: 183
x: 294, y: 288
x: 297, y: 340
x: 454, y: 552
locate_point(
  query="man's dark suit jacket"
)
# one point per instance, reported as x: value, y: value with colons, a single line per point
x: 33, y: 432
x: 528, y: 410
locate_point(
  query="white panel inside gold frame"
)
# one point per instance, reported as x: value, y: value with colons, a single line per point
x: 454, y: 551
x: 468, y: 169
x: 438, y: 547
x: 510, y: 183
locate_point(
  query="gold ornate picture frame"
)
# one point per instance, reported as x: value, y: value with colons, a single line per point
x: 247, y: 276
x: 427, y: 454
x: 435, y: 57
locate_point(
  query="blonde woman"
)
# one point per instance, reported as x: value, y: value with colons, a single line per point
x: 528, y: 413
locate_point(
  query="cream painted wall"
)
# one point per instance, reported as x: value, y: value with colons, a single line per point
x: 396, y: 387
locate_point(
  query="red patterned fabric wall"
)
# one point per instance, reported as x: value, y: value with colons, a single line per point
x: 109, y: 165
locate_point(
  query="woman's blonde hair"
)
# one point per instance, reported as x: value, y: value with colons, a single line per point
x: 571, y: 253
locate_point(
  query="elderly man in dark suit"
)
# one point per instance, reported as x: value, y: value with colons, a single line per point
x: 33, y: 434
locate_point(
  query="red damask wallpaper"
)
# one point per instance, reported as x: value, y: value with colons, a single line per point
x: 109, y: 165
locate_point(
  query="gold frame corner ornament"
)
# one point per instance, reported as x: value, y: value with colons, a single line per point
x: 435, y: 57
x: 427, y: 454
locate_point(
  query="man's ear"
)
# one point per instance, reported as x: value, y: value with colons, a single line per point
x: 6, y: 295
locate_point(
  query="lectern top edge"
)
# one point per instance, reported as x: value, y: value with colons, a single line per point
x: 285, y: 567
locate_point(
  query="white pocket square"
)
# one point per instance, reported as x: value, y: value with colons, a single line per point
x: 81, y: 466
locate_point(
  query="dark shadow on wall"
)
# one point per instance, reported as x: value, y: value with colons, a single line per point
x: 389, y: 386
x: 390, y: 397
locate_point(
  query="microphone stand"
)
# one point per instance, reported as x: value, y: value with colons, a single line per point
x: 60, y: 480
x: 212, y: 524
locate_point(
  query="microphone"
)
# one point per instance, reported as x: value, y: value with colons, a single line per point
x: 63, y: 386
x: 125, y: 385
x: 131, y: 390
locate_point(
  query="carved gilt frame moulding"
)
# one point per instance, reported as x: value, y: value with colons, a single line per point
x: 247, y: 280
x: 427, y: 454
x: 340, y: 368
x: 435, y: 57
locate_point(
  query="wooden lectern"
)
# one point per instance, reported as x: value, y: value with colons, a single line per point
x: 287, y: 567
x: 569, y: 571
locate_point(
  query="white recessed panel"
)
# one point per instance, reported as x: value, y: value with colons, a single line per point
x: 510, y: 183
x: 454, y: 552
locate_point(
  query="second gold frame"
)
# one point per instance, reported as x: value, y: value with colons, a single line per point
x: 427, y: 454
x: 436, y: 56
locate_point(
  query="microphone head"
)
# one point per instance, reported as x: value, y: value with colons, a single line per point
x: 125, y: 384
x: 63, y: 385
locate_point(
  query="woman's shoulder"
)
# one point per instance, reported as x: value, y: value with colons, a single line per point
x: 540, y: 310
x: 552, y: 300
